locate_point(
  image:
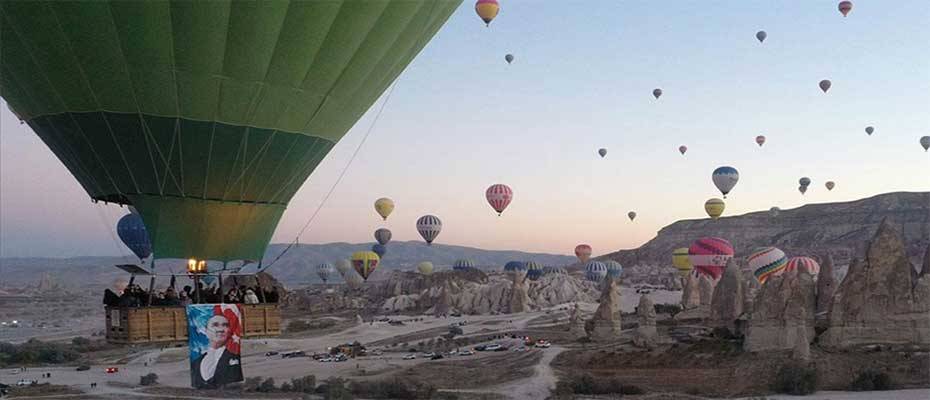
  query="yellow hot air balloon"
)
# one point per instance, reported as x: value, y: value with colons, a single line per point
x: 384, y: 206
x: 487, y: 10
x: 365, y: 263
x: 425, y: 268
x: 714, y: 207
x: 681, y: 261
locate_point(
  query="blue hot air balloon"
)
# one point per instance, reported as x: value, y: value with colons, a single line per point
x: 462, y: 265
x: 515, y: 266
x: 595, y: 271
x: 379, y: 249
x: 131, y: 231
x: 533, y: 270
x: 614, y: 269
x: 383, y: 236
x: 725, y: 179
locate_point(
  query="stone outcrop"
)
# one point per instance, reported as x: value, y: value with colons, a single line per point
x: 706, y: 289
x: 727, y: 303
x: 690, y: 295
x: 826, y: 285
x: 878, y: 300
x: 519, y: 300
x: 604, y: 325
x: 576, y: 323
x: 645, y: 335
x: 783, y: 314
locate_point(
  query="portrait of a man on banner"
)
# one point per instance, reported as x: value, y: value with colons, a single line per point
x: 214, y: 337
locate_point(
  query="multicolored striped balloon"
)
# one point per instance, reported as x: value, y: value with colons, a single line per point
x: 365, y: 262
x: 462, y: 265
x: 547, y: 270
x: 429, y: 227
x: 595, y: 271
x: 583, y: 252
x: 499, y: 197
x: 805, y: 264
x: 765, y: 262
x: 614, y: 269
x: 714, y: 207
x: 681, y: 261
x: 487, y: 10
x: 709, y: 256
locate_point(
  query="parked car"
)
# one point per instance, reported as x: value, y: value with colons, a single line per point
x: 112, y: 370
x: 292, y: 354
x: 340, y: 358
x: 271, y: 353
x: 410, y: 357
x: 23, y: 382
x: 436, y: 357
x: 83, y: 368
x: 493, y: 347
x: 326, y: 359
x: 466, y: 353
x: 519, y: 349
x: 428, y: 355
x: 481, y: 347
x: 543, y: 344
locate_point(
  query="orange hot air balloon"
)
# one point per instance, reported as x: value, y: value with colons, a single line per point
x: 487, y: 10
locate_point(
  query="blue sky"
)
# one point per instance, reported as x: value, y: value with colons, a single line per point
x: 461, y: 119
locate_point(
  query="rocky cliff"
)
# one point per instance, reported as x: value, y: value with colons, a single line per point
x: 840, y: 229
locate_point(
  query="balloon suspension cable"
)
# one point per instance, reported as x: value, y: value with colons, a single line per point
x: 338, y: 179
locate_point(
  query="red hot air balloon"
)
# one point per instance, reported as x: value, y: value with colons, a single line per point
x: 709, y: 256
x: 583, y: 252
x: 845, y: 7
x: 487, y: 10
x: 499, y: 197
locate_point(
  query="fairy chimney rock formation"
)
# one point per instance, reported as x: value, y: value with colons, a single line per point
x: 705, y: 289
x: 690, y: 295
x: 879, y: 300
x: 645, y: 334
x: 826, y: 285
x: 727, y: 303
x: 783, y: 314
x: 604, y: 325
x: 519, y: 299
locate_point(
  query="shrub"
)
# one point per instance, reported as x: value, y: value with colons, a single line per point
x: 869, y: 380
x: 334, y: 388
x: 266, y: 386
x: 795, y: 379
x: 589, y: 385
x: 307, y: 384
x: 148, y: 380
x: 671, y: 309
x: 80, y: 341
x: 251, y: 384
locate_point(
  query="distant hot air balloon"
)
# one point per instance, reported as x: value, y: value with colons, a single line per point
x: 499, y: 197
x: 760, y: 140
x: 533, y: 270
x: 804, y: 181
x: 131, y: 231
x: 925, y: 142
x: 614, y: 269
x: 365, y: 262
x: 384, y: 206
x: 595, y: 271
x: 682, y: 149
x: 549, y: 270
x: 379, y: 249
x: 487, y: 10
x: 774, y: 211
x: 714, y: 207
x: 602, y: 152
x: 383, y: 235
x: 324, y: 271
x: 709, y: 256
x: 508, y: 58
x: 761, y: 35
x: 425, y: 268
x: 631, y: 215
x: 844, y: 7
x: 583, y: 252
x: 825, y: 85
x: 805, y: 264
x: 429, y: 227
x: 515, y: 266
x: 657, y: 92
x: 829, y: 185
x: 869, y: 130
x: 765, y: 262
x: 353, y: 279
x: 725, y: 179
x: 681, y: 261
x: 462, y: 265
x: 802, y: 189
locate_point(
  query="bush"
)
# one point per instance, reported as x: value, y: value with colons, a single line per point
x: 80, y: 341
x: 36, y: 351
x: 148, y: 380
x: 392, y: 389
x: 267, y: 386
x: 589, y: 385
x: 795, y: 379
x: 671, y: 309
x: 306, y: 384
x: 869, y: 380
x: 334, y: 388
x: 251, y: 384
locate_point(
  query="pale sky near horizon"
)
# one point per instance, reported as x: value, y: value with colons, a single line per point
x: 461, y: 119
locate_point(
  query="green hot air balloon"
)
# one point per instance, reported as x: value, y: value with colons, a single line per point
x: 206, y: 117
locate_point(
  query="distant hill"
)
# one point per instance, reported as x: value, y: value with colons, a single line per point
x: 842, y: 229
x: 297, y: 266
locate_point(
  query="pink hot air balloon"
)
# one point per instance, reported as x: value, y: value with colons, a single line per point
x: 805, y: 264
x: 499, y: 197
x: 760, y: 140
x: 682, y: 149
x: 825, y: 85
x: 583, y: 252
x: 709, y: 256
x: 845, y: 7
